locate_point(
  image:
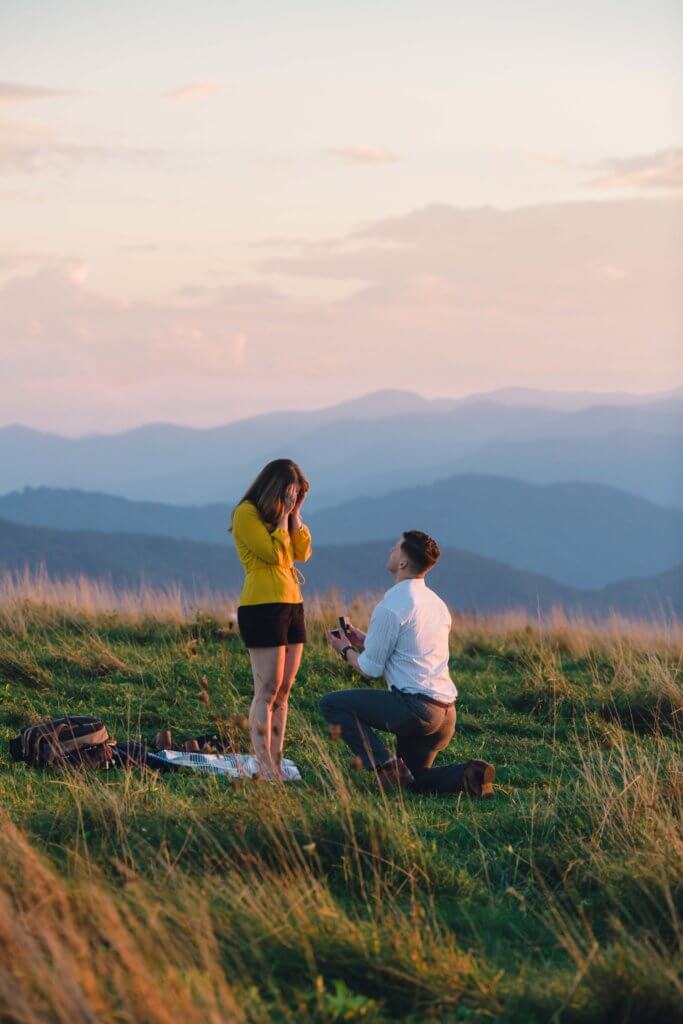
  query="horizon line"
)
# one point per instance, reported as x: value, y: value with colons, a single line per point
x: 602, y: 398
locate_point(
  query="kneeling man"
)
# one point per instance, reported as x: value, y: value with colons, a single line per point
x: 407, y: 643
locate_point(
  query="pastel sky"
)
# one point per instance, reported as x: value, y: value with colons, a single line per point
x: 214, y: 209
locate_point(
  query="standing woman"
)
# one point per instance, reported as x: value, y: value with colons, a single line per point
x: 270, y: 536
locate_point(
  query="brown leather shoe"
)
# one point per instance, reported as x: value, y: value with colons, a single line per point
x: 479, y: 776
x: 163, y: 740
x: 394, y: 773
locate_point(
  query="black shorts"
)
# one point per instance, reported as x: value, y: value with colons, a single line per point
x: 271, y: 625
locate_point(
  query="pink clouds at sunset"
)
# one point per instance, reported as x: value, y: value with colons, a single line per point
x: 655, y: 171
x: 28, y: 149
x: 68, y: 334
x: 193, y: 91
x: 485, y: 296
x: 17, y: 92
x: 363, y: 154
x: 292, y: 204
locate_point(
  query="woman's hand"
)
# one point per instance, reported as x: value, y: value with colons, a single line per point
x: 295, y: 514
x: 300, y: 498
x: 288, y: 503
x: 290, y: 499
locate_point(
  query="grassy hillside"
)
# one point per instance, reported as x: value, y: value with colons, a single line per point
x: 148, y: 899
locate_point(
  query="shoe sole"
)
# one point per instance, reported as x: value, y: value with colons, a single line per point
x: 487, y: 783
x: 485, y: 790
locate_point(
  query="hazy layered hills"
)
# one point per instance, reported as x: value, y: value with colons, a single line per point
x: 370, y: 445
x: 583, y: 535
x: 466, y: 581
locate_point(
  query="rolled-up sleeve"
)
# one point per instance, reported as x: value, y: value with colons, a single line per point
x: 380, y: 641
x: 302, y: 547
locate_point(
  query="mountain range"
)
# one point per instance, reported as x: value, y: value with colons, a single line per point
x: 467, y: 582
x: 371, y: 445
x: 581, y: 534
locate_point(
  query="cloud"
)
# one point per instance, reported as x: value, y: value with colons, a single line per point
x: 13, y: 92
x: 662, y: 170
x: 27, y: 149
x: 441, y: 299
x: 193, y: 91
x: 55, y: 328
x: 12, y: 259
x: 363, y: 154
x: 482, y: 293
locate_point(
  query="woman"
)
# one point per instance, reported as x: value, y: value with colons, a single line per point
x: 269, y: 536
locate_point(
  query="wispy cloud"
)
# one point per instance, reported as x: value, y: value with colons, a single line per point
x: 26, y: 149
x: 57, y: 326
x: 363, y: 154
x: 12, y: 259
x: 191, y: 92
x: 576, y: 285
x: 15, y: 92
x: 661, y: 170
x: 462, y: 296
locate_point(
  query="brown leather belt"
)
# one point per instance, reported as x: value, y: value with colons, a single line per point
x: 423, y: 696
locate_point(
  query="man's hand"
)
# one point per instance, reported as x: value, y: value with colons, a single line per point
x: 356, y: 636
x: 338, y: 643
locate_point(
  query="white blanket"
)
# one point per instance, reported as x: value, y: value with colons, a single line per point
x: 236, y: 766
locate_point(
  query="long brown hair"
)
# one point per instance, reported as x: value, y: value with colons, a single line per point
x: 268, y: 490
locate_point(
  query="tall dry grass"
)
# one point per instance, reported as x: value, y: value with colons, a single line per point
x: 250, y: 932
x: 260, y: 929
x: 34, y: 598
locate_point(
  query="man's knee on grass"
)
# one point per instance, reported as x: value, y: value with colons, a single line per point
x: 330, y: 712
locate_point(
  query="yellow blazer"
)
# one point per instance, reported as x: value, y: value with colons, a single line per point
x: 268, y: 557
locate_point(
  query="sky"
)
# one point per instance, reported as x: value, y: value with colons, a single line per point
x: 219, y: 209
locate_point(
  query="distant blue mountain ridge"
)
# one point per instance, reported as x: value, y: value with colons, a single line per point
x: 580, y: 534
x: 372, y: 445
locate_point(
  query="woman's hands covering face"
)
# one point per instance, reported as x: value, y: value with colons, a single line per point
x: 300, y: 498
x: 290, y: 498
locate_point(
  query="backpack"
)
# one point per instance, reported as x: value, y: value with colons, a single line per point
x: 76, y: 741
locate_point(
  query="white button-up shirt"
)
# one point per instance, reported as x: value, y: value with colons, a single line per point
x: 407, y: 641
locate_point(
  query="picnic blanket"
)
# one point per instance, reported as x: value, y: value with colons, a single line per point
x: 236, y: 766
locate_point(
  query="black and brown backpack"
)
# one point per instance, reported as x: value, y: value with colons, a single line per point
x: 76, y: 741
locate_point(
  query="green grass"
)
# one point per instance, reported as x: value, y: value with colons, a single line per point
x: 130, y: 897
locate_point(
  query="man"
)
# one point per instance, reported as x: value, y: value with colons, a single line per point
x: 407, y: 643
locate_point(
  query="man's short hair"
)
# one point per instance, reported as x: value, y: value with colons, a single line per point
x: 421, y: 550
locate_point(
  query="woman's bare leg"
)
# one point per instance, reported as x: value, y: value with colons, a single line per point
x: 267, y: 666
x: 281, y: 704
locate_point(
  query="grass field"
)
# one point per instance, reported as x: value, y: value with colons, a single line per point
x: 137, y: 898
